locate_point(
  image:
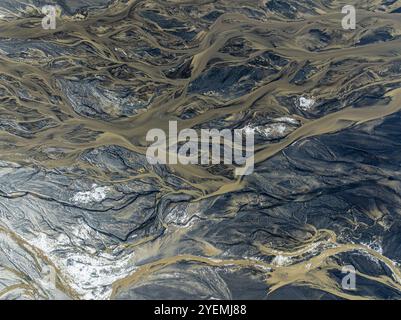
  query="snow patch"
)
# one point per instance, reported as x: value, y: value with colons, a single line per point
x: 90, y: 273
x: 288, y: 120
x: 306, y: 103
x: 272, y: 131
x: 97, y: 194
x: 374, y: 245
x: 281, y: 261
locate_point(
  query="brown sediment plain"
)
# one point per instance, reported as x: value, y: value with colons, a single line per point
x: 83, y: 215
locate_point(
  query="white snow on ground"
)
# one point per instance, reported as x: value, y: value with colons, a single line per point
x: 306, y: 103
x: 248, y: 129
x: 374, y: 245
x: 179, y: 217
x: 273, y: 130
x: 89, y: 273
x: 97, y: 194
x: 279, y: 128
x: 288, y: 120
x: 281, y: 261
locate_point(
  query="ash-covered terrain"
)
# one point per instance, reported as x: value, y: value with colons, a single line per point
x: 83, y: 215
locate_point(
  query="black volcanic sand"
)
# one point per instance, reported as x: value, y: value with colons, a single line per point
x: 83, y: 215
